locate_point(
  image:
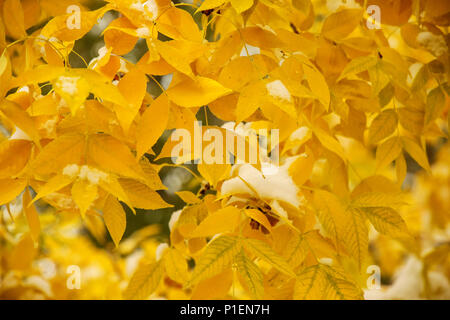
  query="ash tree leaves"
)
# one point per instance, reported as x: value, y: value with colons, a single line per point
x: 196, y: 92
x: 262, y: 251
x: 218, y: 255
x: 144, y: 281
x: 383, y: 126
x: 345, y: 225
x: 252, y: 277
x: 115, y: 218
x: 149, y: 131
x: 321, y: 282
x: 348, y: 102
x: 435, y: 104
x: 334, y: 28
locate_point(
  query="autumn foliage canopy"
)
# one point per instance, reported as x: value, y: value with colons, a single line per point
x: 352, y: 97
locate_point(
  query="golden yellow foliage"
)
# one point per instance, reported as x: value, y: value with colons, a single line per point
x: 355, y: 105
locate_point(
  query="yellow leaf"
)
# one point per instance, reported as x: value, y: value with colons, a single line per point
x: 301, y: 169
x: 222, y: 221
x: 340, y: 24
x: 14, y: 19
x: 356, y: 237
x: 241, y: 5
x: 299, y: 245
x: 159, y: 67
x: 251, y: 276
x: 178, y: 24
x: 120, y: 42
x: 411, y: 119
x: 259, y: 217
x: 40, y: 74
x: 23, y: 254
x: 21, y: 119
x: 321, y: 282
x: 379, y: 199
x: 5, y: 70
x: 144, y: 281
x: 383, y: 126
x: 54, y: 184
x: 133, y: 87
x: 435, y: 105
x: 101, y: 86
x: 416, y: 152
x: 141, y: 196
x: 210, y: 4
x: 47, y: 105
x: 238, y: 72
x: 377, y: 184
x: 10, y: 189
x: 213, y: 173
x: 112, y: 186
x: 115, y: 219
x: 152, y: 124
x: 176, y: 265
x: 215, y: 287
x: 197, y: 92
x: 378, y: 77
x: 122, y: 162
x: 65, y: 28
x: 358, y: 65
x: 317, y: 84
x: 345, y: 226
x: 330, y: 142
x: 32, y: 216
x: 262, y: 250
x: 14, y: 155
x: 66, y: 149
x: 388, y: 151
x: 250, y: 100
x: 386, y: 221
x: 218, y: 256
x: 261, y: 38
x: 84, y: 194
x: 401, y: 169
x: 188, y: 197
x: 73, y: 89
x: 151, y: 174
x: 180, y: 54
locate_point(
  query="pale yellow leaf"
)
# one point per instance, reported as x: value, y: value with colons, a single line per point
x: 340, y: 24
x: 10, y: 189
x: 196, y: 92
x: 386, y: 221
x: 32, y: 216
x: 188, y: 197
x: 218, y: 255
x: 152, y: 124
x: 176, y: 265
x: 221, y: 221
x: 388, y: 151
x: 251, y: 275
x: 416, y: 152
x: 383, y: 126
x: 141, y: 196
x: 144, y: 281
x: 115, y: 219
x: 84, y: 194
x: 263, y: 250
